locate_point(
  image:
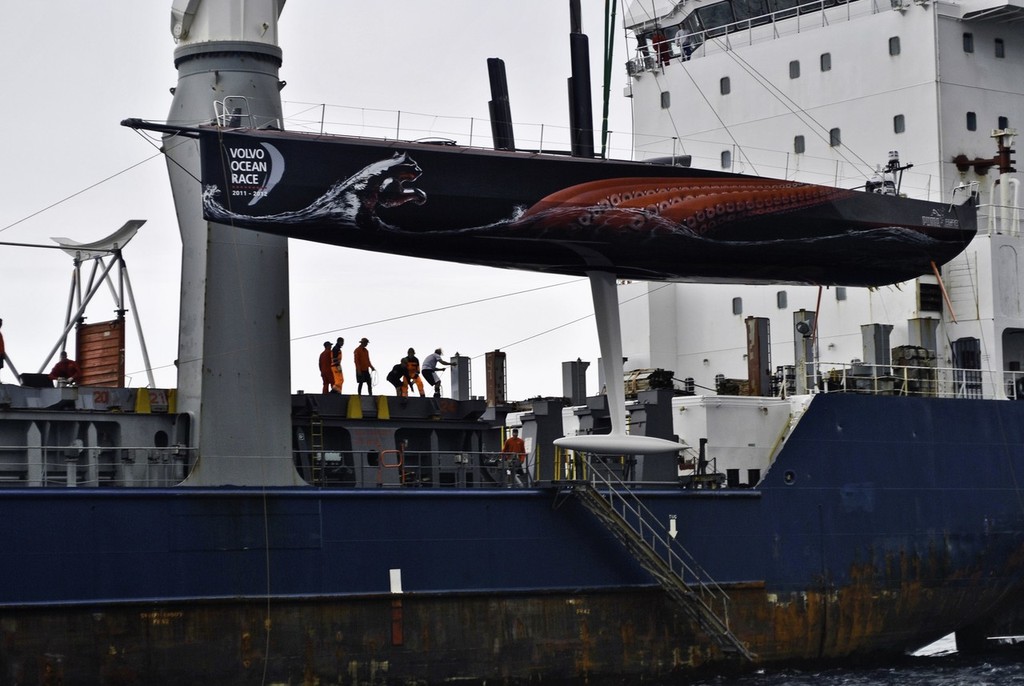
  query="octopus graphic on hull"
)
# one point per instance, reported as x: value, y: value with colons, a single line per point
x: 570, y: 216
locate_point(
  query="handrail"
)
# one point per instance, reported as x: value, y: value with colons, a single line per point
x: 430, y: 128
x: 685, y: 45
x: 909, y: 380
x: 79, y: 464
x: 76, y: 463
x: 700, y: 587
x: 384, y: 464
x: 690, y: 572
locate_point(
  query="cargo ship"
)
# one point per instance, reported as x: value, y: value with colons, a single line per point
x: 795, y: 509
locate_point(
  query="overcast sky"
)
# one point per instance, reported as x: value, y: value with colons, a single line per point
x: 74, y: 70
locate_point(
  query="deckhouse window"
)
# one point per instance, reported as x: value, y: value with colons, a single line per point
x: 894, y: 45
x: 737, y: 305
x: 726, y: 159
x: 781, y: 300
x: 715, y: 17
x: 968, y: 42
x: 750, y: 9
x: 798, y: 144
x: 972, y: 121
x: 834, y: 138
x: 666, y: 100
x: 840, y: 292
x: 780, y: 7
x: 692, y: 24
x: 1004, y: 123
x: 899, y: 125
x: 724, y: 85
x: 794, y: 69
x: 826, y: 61
x: 1000, y: 48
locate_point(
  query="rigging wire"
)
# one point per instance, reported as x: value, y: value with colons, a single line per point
x: 433, y: 310
x: 92, y: 186
x: 728, y: 131
x: 672, y: 121
x: 506, y: 346
x: 162, y: 151
x: 409, y: 315
x: 791, y: 105
x: 579, y: 319
x: 817, y: 128
x: 79, y: 192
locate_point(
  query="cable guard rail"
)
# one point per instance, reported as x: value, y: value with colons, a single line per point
x: 663, y: 45
x: 409, y: 467
x: 650, y: 543
x: 80, y: 464
x: 921, y: 378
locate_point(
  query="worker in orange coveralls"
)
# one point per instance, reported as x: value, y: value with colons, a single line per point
x: 412, y: 374
x: 326, y: 372
x: 515, y: 446
x: 338, y: 375
x: 361, y: 357
x: 66, y: 369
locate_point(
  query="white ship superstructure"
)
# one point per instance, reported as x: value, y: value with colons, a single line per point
x: 831, y: 92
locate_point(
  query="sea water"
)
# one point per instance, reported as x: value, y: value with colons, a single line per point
x: 937, y: 665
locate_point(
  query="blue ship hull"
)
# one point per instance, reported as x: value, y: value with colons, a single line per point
x: 883, y: 523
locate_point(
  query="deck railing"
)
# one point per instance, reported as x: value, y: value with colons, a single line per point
x: 410, y: 469
x: 404, y: 125
x: 79, y: 465
x: 906, y: 380
x: 685, y: 45
x: 75, y: 465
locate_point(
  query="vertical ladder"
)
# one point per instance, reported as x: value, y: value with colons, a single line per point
x: 649, y: 542
x: 316, y: 447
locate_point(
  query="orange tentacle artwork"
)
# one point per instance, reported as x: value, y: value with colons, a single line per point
x: 698, y: 204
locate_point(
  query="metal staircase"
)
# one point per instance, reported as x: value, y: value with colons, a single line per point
x: 625, y: 516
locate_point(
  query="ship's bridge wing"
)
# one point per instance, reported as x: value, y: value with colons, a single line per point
x: 648, y: 13
x: 1008, y: 11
